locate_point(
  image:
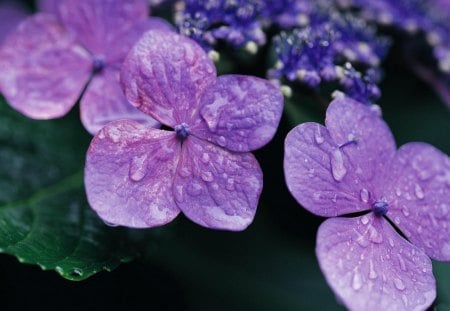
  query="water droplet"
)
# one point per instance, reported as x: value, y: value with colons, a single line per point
x: 364, y: 195
x: 405, y: 300
x: 399, y: 284
x: 397, y: 220
x: 337, y: 165
x: 110, y: 224
x: 222, y: 141
x: 398, y: 192
x: 76, y: 273
x: 318, y: 135
x: 205, y: 158
x: 316, y: 196
x: 179, y: 193
x: 207, y: 176
x: 402, y: 263
x: 419, y: 192
x: 230, y: 184
x: 334, y: 198
x: 365, y: 220
x: 405, y: 211
x: 357, y: 281
x: 138, y: 167
x: 372, y: 273
x: 419, y: 229
x: 194, y: 189
x: 374, y: 235
x: 391, y: 242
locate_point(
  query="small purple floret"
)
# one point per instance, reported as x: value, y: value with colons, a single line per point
x: 380, y: 208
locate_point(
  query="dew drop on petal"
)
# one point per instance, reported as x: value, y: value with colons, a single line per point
x: 399, y: 284
x: 194, y: 189
x: 207, y: 176
x: 230, y: 184
x: 357, y: 281
x: 391, y: 242
x: 222, y: 141
x: 318, y: 136
x: 138, y: 167
x: 372, y: 273
x: 374, y: 235
x: 337, y: 165
x: 398, y: 192
x: 405, y: 211
x: 365, y: 220
x: 419, y: 192
x: 401, y: 262
x: 205, y: 158
x: 364, y: 195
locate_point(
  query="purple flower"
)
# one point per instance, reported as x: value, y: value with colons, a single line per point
x: 236, y: 22
x: 47, y: 62
x: 11, y: 14
x: 141, y: 177
x: 352, y: 166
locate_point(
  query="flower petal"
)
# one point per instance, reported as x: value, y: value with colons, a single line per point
x: 11, y: 14
x: 240, y: 113
x: 165, y: 75
x: 118, y: 49
x: 369, y: 266
x: 316, y: 176
x: 104, y: 102
x: 99, y: 23
x: 365, y: 137
x: 216, y: 188
x: 418, y: 193
x: 129, y: 173
x: 42, y: 70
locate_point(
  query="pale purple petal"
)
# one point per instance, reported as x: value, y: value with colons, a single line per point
x: 418, y: 193
x: 364, y: 138
x: 369, y: 266
x: 11, y: 15
x: 48, y: 6
x: 129, y: 173
x: 42, y: 70
x: 240, y: 113
x: 99, y: 23
x: 118, y: 49
x: 104, y: 102
x: 312, y: 161
x: 216, y: 188
x: 165, y: 75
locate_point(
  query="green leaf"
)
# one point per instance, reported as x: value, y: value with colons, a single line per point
x: 44, y: 216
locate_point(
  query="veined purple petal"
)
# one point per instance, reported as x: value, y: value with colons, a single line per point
x: 165, y: 75
x: 417, y: 190
x: 364, y: 138
x: 42, y: 69
x: 371, y: 267
x: 104, y: 102
x: 118, y: 49
x: 216, y: 188
x: 240, y: 113
x: 318, y: 173
x: 11, y: 15
x: 99, y: 23
x: 48, y: 6
x: 129, y: 173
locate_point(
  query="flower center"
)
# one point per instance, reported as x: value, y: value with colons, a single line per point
x: 380, y: 208
x: 98, y: 64
x: 182, y: 131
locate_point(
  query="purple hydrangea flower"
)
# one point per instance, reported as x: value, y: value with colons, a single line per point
x: 47, y: 62
x: 316, y: 52
x: 352, y: 166
x: 236, y: 22
x: 11, y: 14
x: 141, y: 177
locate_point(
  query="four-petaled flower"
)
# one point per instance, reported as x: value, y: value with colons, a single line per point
x: 138, y: 176
x: 47, y: 62
x: 352, y: 166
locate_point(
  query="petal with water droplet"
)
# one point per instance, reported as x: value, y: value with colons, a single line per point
x: 420, y: 205
x: 371, y: 277
x: 104, y: 102
x: 364, y: 136
x: 227, y: 187
x: 244, y: 110
x: 332, y: 189
x: 129, y: 174
x: 165, y: 75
